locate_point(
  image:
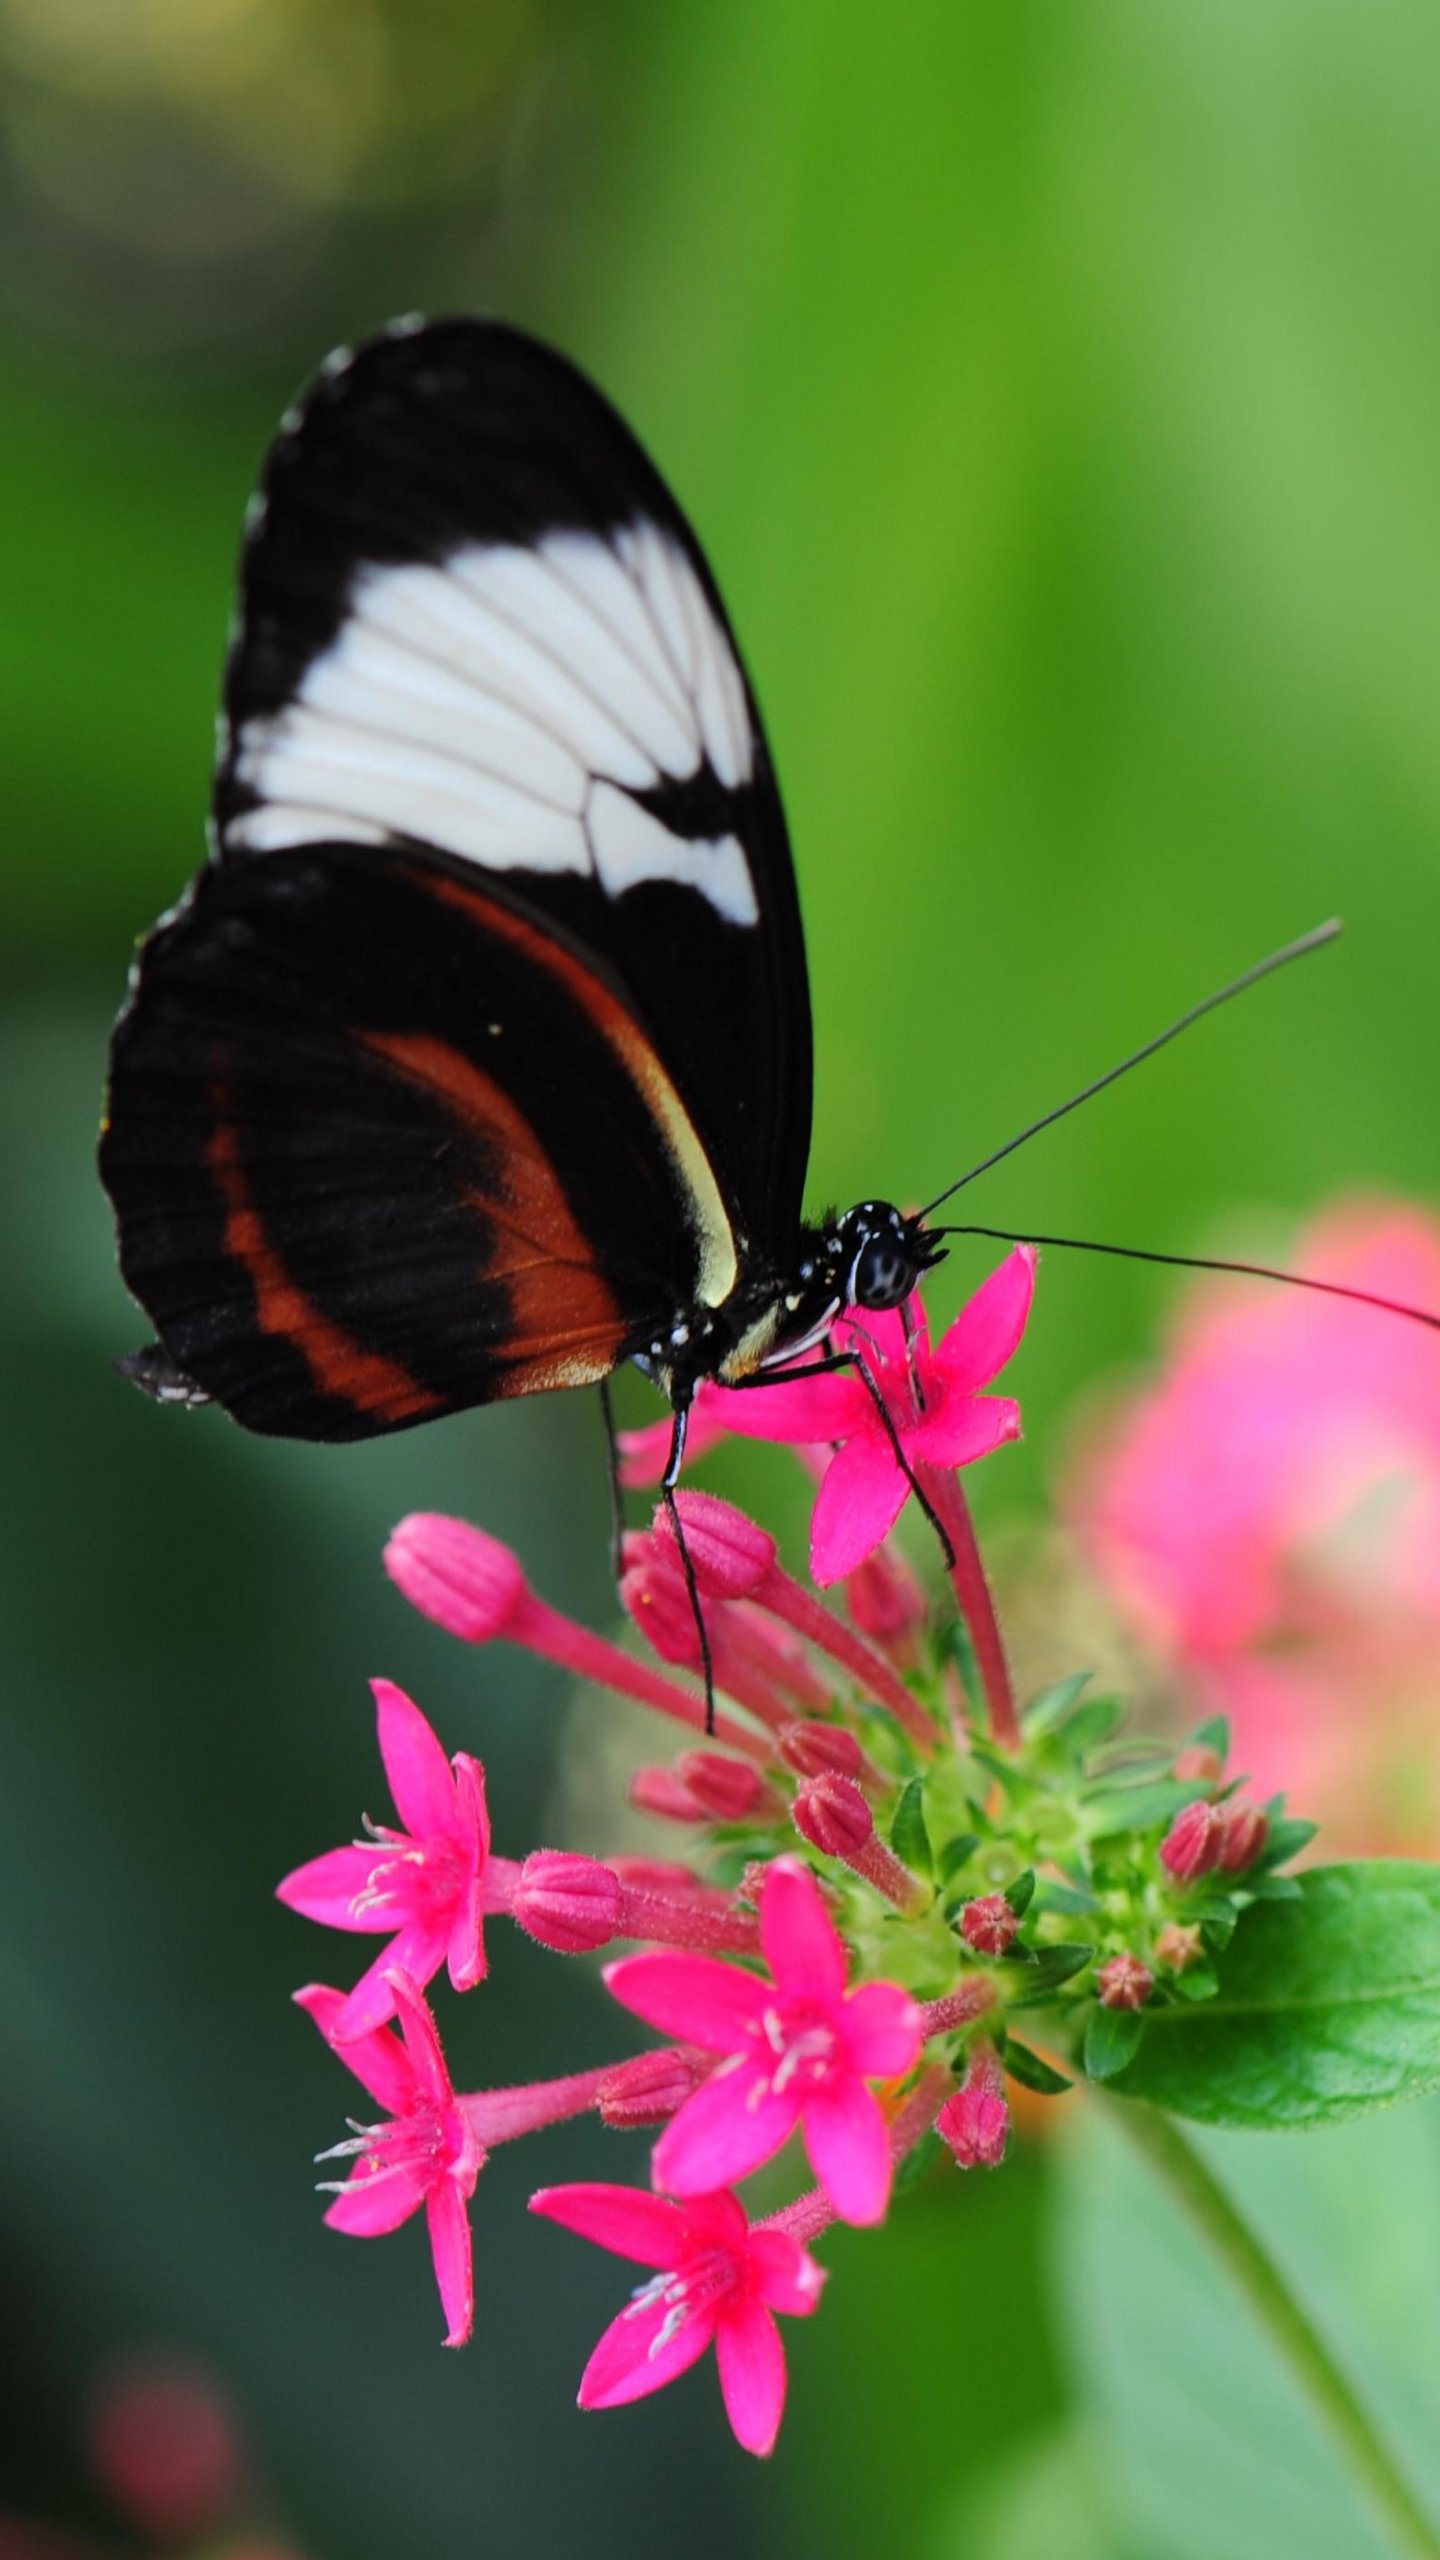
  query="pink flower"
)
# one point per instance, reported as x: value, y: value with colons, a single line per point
x: 718, y: 2278
x: 1266, y: 1515
x: 933, y: 1397
x: 427, y: 2151
x: 799, y: 2051
x: 423, y: 1885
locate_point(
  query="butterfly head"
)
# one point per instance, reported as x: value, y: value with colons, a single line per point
x: 880, y: 1255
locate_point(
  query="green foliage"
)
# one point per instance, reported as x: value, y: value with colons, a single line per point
x: 1327, y: 2006
x: 909, y: 1837
x: 1112, y: 2038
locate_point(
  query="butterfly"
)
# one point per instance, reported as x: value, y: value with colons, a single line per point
x: 476, y: 1059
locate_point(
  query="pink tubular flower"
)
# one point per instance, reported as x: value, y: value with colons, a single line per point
x: 718, y: 2278
x: 424, y: 1885
x: 798, y: 2050
x: 1265, y: 1514
x: 427, y: 2152
x: 933, y: 1398
x: 975, y: 2122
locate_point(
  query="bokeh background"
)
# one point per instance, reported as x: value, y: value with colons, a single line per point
x: 1058, y: 390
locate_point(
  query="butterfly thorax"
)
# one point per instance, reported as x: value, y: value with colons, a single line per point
x: 870, y: 1257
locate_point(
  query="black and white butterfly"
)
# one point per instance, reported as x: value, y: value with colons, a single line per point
x: 477, y: 1058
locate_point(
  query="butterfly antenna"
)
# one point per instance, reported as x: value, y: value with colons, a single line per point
x: 1210, y: 1262
x: 1308, y: 942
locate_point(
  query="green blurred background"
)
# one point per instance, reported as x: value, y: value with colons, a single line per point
x: 1058, y: 390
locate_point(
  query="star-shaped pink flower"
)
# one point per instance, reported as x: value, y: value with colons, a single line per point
x: 718, y: 2278
x: 799, y: 2051
x: 427, y: 2152
x: 932, y: 1396
x: 424, y: 1885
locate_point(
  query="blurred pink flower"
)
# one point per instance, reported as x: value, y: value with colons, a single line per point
x: 798, y: 2051
x: 424, y: 1885
x: 719, y: 2279
x: 1266, y: 1513
x: 427, y: 2152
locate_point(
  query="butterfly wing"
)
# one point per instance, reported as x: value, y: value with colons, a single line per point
x: 384, y: 1147
x: 483, y: 1044
x: 472, y: 615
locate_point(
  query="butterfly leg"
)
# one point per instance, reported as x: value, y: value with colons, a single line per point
x: 668, y: 1482
x: 617, y: 1497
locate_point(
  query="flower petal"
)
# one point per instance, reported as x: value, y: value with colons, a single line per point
x: 802, y: 1945
x: 415, y: 1763
x: 326, y: 1888
x: 419, y: 1950
x: 450, y: 2247
x: 733, y: 2122
x: 883, y: 2029
x: 628, y: 2220
x: 786, y: 2275
x: 966, y: 1428
x: 380, y: 2062
x: 849, y: 2148
x: 858, y: 1504
x: 422, y: 2042
x: 630, y: 2360
x: 375, y: 2201
x: 987, y: 1332
x: 752, y: 2373
x: 824, y: 1408
x: 709, y: 2003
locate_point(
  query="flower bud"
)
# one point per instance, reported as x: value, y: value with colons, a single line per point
x: 1191, y: 1846
x: 1178, y: 1946
x: 467, y: 1582
x: 653, y: 1594
x: 814, y: 1749
x: 989, y: 1925
x: 662, y: 1791
x: 975, y: 2122
x: 650, y: 2089
x: 886, y: 1601
x: 1243, y: 1832
x: 1124, y: 1983
x: 1200, y: 1760
x: 832, y: 1814
x: 567, y: 1902
x: 731, y: 1553
x: 726, y: 1789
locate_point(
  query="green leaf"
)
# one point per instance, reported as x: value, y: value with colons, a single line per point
x: 1286, y: 1841
x: 1050, y: 1966
x: 957, y: 1853
x: 908, y: 1836
x: 1112, y: 2038
x: 917, y: 2164
x: 1045, y: 1713
x: 1091, y: 1724
x: 1263, y: 1888
x: 1197, y: 1982
x: 1032, y: 2073
x: 1071, y: 1899
x: 1328, y: 2005
x: 962, y: 1654
x: 1212, y: 1735
x: 1021, y: 1893
x: 1139, y: 1808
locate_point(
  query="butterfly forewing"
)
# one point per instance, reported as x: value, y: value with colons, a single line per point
x: 481, y: 1051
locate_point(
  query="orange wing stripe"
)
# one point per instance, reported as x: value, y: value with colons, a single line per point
x: 557, y: 1297
x: 340, y: 1367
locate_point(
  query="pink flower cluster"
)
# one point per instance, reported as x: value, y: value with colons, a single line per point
x: 1265, y: 1514
x: 746, y: 1975
x: 835, y: 1955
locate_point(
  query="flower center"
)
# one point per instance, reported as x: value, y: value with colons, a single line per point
x: 686, y: 2291
x: 803, y: 2042
x: 419, y: 2143
x: 424, y: 1877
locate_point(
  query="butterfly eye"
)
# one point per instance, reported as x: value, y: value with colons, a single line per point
x: 883, y: 1275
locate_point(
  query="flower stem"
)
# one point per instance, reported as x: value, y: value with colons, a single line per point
x: 977, y: 1605
x: 1291, y: 2329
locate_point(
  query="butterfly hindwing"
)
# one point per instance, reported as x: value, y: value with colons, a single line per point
x: 473, y: 617
x: 384, y: 1145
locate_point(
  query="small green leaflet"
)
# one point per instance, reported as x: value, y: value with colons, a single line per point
x: 909, y: 1837
x: 1112, y: 2038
